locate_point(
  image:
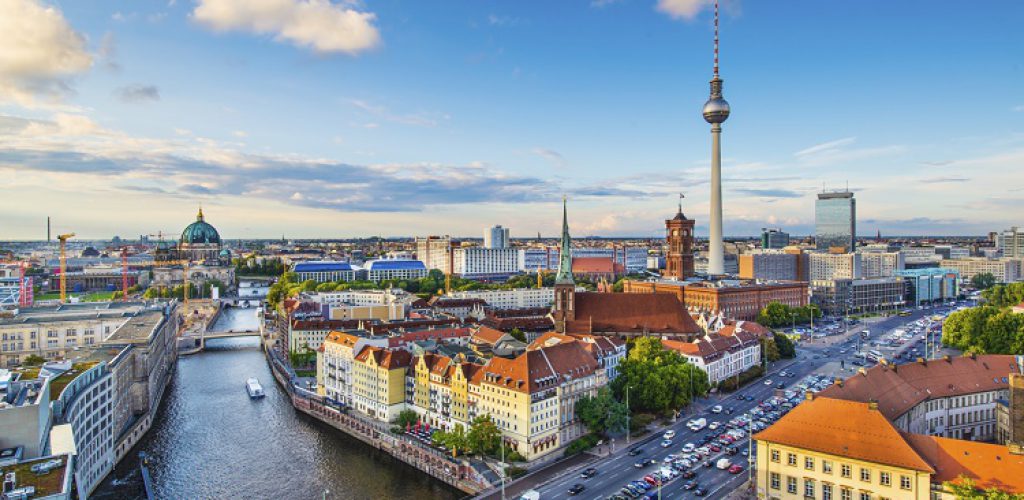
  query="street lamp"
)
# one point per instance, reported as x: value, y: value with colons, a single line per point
x: 628, y: 413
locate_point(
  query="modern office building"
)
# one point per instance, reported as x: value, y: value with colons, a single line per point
x: 835, y: 221
x: 926, y: 286
x: 486, y: 263
x: 774, y: 239
x: 838, y: 297
x: 325, y: 271
x: 391, y: 269
x: 1011, y: 242
x: 633, y: 258
x: 496, y: 237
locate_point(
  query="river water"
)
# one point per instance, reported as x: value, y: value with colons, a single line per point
x: 210, y: 440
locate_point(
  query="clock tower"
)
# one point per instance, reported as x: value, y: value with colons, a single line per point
x: 679, y: 236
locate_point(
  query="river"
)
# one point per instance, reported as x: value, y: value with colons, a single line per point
x: 210, y: 440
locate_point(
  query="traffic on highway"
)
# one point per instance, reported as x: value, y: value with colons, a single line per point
x: 708, y: 453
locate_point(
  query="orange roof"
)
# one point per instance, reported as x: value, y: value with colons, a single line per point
x: 593, y: 265
x: 550, y: 338
x: 844, y: 428
x: 342, y: 338
x: 487, y: 335
x: 385, y: 358
x: 631, y: 313
x: 898, y: 388
x: 540, y: 368
x: 988, y: 465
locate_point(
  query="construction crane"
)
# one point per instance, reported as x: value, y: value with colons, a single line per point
x: 184, y: 263
x: 64, y: 265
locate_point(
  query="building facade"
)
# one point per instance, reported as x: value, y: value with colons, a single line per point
x: 519, y: 298
x: 378, y: 382
x: 929, y: 285
x: 497, y: 237
x: 774, y: 239
x: 477, y: 262
x: 839, y: 297
x: 881, y: 264
x: 733, y: 299
x: 831, y: 266
x: 679, y: 240
x: 394, y: 269
x: 770, y: 265
x: 1011, y: 243
x: 435, y: 252
x: 54, y: 332
x: 1005, y: 270
x: 325, y: 271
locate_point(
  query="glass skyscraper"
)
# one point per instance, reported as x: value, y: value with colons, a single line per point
x: 835, y: 221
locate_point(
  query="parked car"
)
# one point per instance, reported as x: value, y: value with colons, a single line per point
x: 735, y: 469
x: 635, y: 451
x: 666, y: 443
x: 700, y: 492
x: 689, y: 485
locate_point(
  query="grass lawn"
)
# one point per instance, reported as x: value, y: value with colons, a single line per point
x: 47, y: 484
x: 305, y: 373
x: 86, y: 297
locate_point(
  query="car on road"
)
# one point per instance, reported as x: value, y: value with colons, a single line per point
x: 635, y: 451
x: 669, y: 434
x: 689, y: 485
x: 735, y: 469
x: 689, y: 474
x: 577, y: 489
x: 713, y: 425
x: 716, y: 409
x: 780, y: 385
x: 589, y: 473
x: 700, y: 492
x: 715, y: 448
x: 688, y: 447
x: 666, y: 443
x: 768, y: 382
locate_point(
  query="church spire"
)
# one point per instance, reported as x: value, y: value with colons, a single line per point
x: 564, y: 275
x: 199, y: 217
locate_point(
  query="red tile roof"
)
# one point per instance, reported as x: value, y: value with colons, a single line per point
x: 487, y: 335
x: 844, y: 428
x: 540, y: 369
x: 593, y: 265
x: 898, y: 388
x: 988, y: 465
x: 660, y: 313
x: 387, y: 358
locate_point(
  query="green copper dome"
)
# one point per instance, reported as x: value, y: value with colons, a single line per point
x: 199, y: 232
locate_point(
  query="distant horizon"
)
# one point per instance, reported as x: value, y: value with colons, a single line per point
x: 398, y: 117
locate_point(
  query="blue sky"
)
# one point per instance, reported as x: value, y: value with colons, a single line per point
x: 317, y: 119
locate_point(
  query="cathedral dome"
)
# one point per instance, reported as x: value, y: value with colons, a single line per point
x: 200, y: 232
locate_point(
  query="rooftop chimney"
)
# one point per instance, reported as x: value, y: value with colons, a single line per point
x: 809, y: 396
x: 873, y: 405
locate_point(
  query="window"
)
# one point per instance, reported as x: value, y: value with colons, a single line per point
x: 846, y: 494
x: 865, y: 474
x: 905, y: 482
x: 775, y: 456
x: 775, y: 480
x: 826, y: 491
x: 885, y: 478
x: 865, y: 495
x: 791, y: 484
x: 826, y: 466
x: 846, y: 471
x: 791, y: 459
x: 808, y: 463
x: 809, y: 488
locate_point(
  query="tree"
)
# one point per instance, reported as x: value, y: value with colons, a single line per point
x: 407, y: 418
x: 34, y: 360
x: 983, y: 281
x: 659, y: 380
x: 774, y: 315
x: 518, y: 335
x: 785, y: 346
x: 484, y: 436
x: 985, y: 330
x: 771, y: 349
x: 965, y: 488
x: 602, y: 414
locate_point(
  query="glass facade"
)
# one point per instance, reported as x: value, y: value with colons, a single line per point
x: 835, y: 221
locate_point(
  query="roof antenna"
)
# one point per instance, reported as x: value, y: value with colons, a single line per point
x: 716, y: 38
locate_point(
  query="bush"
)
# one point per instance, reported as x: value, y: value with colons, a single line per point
x: 513, y: 471
x: 733, y: 383
x: 34, y: 360
x: 582, y: 444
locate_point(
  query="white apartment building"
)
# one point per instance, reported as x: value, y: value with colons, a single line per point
x: 434, y: 252
x: 546, y: 258
x: 54, y: 332
x: 388, y: 269
x: 1011, y: 242
x: 361, y: 297
x: 831, y: 266
x: 477, y: 262
x: 1005, y: 270
x: 881, y: 264
x: 334, y: 363
x: 721, y: 356
x: 520, y: 298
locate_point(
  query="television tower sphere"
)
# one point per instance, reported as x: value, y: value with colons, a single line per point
x: 716, y: 110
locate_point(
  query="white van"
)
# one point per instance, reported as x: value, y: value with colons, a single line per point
x: 723, y: 463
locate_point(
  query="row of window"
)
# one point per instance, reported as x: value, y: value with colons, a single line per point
x: 811, y: 489
x: 845, y: 470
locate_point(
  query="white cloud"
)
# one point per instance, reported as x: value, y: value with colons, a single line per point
x: 316, y: 24
x: 551, y: 155
x: 683, y: 9
x: 1019, y: 109
x: 825, y: 146
x: 839, y: 151
x: 416, y: 119
x: 39, y: 52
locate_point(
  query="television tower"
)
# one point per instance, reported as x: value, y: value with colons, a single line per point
x: 716, y: 111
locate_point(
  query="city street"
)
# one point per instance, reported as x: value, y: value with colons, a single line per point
x: 616, y: 471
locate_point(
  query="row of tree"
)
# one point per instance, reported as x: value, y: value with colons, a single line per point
x: 777, y: 315
x: 985, y: 330
x: 482, y: 438
x: 267, y: 266
x: 1006, y: 295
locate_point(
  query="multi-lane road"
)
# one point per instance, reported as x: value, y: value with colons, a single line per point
x: 618, y: 469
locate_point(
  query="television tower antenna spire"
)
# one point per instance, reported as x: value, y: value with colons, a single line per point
x: 716, y: 38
